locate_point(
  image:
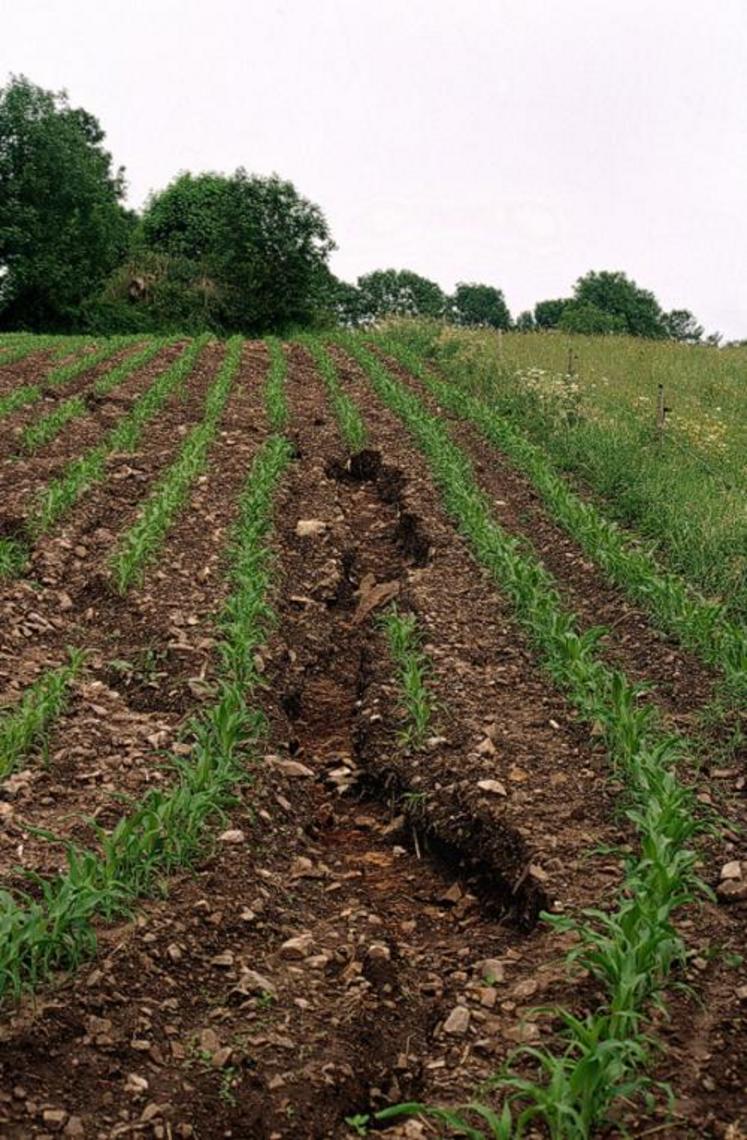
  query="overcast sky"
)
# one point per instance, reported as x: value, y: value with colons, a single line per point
x: 517, y: 143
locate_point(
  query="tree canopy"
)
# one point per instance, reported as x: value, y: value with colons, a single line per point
x: 474, y: 304
x: 401, y: 293
x: 63, y: 227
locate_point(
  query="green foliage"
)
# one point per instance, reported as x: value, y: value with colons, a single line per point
x: 525, y: 322
x: 547, y: 314
x: 399, y: 292
x: 245, y: 250
x: 412, y: 665
x: 142, y: 541
x: 480, y: 305
x: 24, y: 726
x: 62, y: 225
x: 615, y: 294
x: 583, y: 317
x: 681, y: 325
x: 349, y: 419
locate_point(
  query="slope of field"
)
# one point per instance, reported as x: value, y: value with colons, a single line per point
x: 342, y: 772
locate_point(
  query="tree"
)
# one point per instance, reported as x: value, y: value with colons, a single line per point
x: 547, y: 314
x: 615, y: 294
x: 260, y: 247
x: 588, y: 319
x: 63, y: 227
x: 680, y: 324
x: 399, y: 292
x: 480, y: 305
x: 525, y: 322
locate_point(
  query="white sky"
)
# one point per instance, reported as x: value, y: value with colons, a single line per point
x: 516, y: 142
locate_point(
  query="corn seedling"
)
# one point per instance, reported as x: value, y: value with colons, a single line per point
x: 412, y: 668
x: 24, y: 726
x: 275, y: 400
x: 633, y: 949
x: 144, y: 539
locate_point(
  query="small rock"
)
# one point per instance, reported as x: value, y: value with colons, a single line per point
x: 742, y: 993
x: 491, y: 969
x: 297, y: 947
x: 221, y: 1057
x: 453, y: 895
x: 379, y: 951
x: 310, y: 528
x: 457, y: 1023
x: 136, y: 1084
x: 74, y: 1127
x: 486, y: 747
x: 209, y: 1041
x: 54, y: 1118
x: 288, y: 767
x: 488, y: 996
x: 525, y: 989
x: 732, y: 890
x: 732, y: 870
x: 233, y: 835
x: 495, y: 787
x: 224, y: 960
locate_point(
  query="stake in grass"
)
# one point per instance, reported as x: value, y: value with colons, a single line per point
x: 24, y: 726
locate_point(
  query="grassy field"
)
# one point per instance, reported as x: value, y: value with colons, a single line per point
x: 346, y: 732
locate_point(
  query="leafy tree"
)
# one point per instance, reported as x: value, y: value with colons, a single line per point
x: 587, y: 318
x: 254, y: 243
x: 480, y: 305
x: 62, y: 224
x: 680, y: 324
x: 399, y: 292
x: 525, y: 322
x: 547, y: 314
x: 615, y: 294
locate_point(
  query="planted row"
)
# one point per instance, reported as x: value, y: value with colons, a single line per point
x: 632, y: 949
x: 168, y: 828
x: 412, y: 667
x: 701, y: 626
x: 44, y: 430
x: 88, y: 469
x: 142, y: 541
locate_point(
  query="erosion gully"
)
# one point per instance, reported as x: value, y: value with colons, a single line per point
x: 366, y: 927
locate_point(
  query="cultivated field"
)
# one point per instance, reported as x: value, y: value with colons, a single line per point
x: 353, y: 755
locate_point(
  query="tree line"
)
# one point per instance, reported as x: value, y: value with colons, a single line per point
x: 225, y: 253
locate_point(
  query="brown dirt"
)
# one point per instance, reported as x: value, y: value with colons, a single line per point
x: 397, y: 872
